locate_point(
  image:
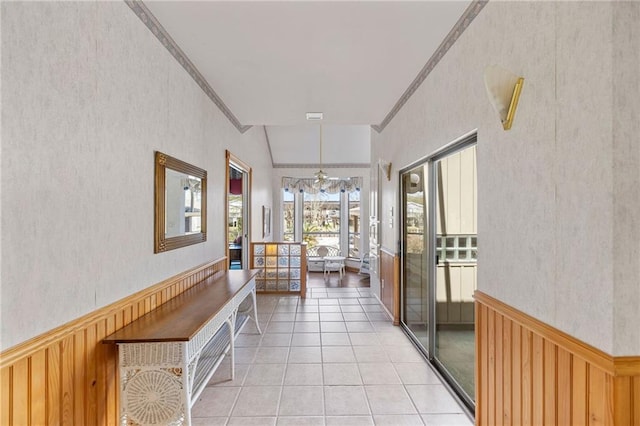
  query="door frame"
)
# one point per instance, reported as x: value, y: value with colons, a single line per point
x: 235, y: 162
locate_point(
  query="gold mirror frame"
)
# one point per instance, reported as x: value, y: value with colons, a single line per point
x: 162, y: 243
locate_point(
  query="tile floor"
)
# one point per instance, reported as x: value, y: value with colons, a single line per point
x: 332, y: 359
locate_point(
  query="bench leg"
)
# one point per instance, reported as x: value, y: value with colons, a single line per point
x: 255, y: 310
x: 232, y: 337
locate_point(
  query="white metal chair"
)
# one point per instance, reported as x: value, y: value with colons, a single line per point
x: 334, y: 264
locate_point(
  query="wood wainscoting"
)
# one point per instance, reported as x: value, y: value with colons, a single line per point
x: 390, y: 284
x: 67, y: 376
x: 528, y: 373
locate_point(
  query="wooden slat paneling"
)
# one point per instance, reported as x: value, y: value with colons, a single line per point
x: 499, y: 364
x: 635, y: 400
x: 482, y: 356
x: 527, y: 383
x: 531, y: 374
x: 507, y: 372
x: 67, y: 376
x: 67, y: 373
x: 6, y: 404
x: 491, y: 371
x: 91, y: 368
x: 598, y: 392
x: 580, y: 380
x: 390, y: 275
x: 537, y: 375
x: 80, y: 375
x: 21, y: 392
x: 54, y: 385
x: 624, y: 396
x: 38, y: 387
x: 564, y: 387
x: 516, y: 374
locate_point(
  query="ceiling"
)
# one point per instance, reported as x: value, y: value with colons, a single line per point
x: 270, y: 62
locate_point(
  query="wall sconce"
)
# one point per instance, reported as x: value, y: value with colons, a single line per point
x: 503, y: 89
x: 385, y: 166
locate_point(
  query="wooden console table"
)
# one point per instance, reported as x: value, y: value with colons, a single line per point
x: 167, y: 356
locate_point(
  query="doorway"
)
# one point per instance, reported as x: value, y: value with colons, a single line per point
x: 238, y: 202
x: 439, y: 260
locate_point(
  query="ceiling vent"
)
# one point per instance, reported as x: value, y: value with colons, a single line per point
x: 314, y: 116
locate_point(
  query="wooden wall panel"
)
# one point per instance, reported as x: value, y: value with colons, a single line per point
x: 5, y: 396
x: 390, y: 276
x: 529, y: 373
x: 564, y: 387
x: 578, y: 397
x: 516, y: 374
x: 20, y: 392
x: 67, y: 376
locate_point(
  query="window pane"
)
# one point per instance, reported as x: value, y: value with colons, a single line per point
x: 235, y: 218
x: 321, y: 219
x: 354, y: 224
x: 288, y: 215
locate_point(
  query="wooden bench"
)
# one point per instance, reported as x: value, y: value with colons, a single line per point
x: 167, y: 356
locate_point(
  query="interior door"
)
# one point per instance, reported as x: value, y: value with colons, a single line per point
x: 238, y: 206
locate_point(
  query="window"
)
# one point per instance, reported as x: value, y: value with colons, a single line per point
x: 321, y: 219
x: 354, y: 224
x: 288, y: 216
x: 325, y: 218
x: 457, y: 248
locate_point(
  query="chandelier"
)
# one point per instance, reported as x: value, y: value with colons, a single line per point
x: 321, y: 176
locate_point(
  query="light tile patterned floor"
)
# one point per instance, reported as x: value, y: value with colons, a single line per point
x: 332, y: 359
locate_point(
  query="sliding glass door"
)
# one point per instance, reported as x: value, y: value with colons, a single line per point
x: 415, y: 314
x: 439, y: 260
x: 456, y: 266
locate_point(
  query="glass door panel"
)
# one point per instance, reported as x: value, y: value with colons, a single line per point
x: 415, y: 294
x: 456, y: 266
x: 235, y: 217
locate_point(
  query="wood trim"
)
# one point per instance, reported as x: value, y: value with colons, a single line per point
x: 627, y: 365
x: 529, y: 373
x: 67, y: 376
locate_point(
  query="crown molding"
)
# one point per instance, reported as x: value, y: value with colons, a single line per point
x: 150, y: 21
x: 266, y: 136
x: 324, y: 166
x: 465, y: 20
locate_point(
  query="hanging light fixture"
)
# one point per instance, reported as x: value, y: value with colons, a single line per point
x: 321, y: 176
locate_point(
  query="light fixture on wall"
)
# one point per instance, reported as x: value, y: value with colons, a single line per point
x: 385, y: 166
x: 503, y: 88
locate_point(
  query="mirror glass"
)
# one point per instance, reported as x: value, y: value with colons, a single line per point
x: 183, y: 204
x: 180, y: 203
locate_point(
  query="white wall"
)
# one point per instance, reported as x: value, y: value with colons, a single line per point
x: 626, y: 176
x: 553, y: 198
x: 88, y: 95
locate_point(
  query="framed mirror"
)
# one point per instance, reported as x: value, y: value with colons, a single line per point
x: 180, y: 204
